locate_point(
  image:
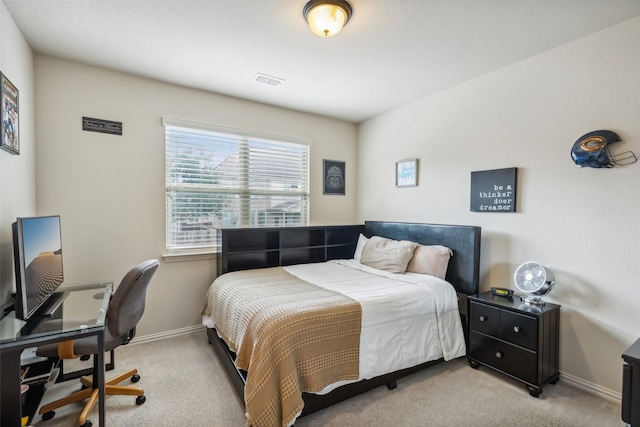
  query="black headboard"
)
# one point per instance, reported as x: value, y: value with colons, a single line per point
x: 464, y: 240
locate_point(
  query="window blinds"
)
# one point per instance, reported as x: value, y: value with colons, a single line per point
x: 218, y: 177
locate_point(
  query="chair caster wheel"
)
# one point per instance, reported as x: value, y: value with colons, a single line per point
x: 87, y: 424
x: 48, y: 415
x: 140, y: 400
x: 135, y: 378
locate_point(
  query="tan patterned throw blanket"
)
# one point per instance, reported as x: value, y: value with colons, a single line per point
x: 289, y: 335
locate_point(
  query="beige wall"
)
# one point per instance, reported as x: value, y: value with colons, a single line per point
x: 583, y: 223
x: 109, y: 190
x: 17, y: 172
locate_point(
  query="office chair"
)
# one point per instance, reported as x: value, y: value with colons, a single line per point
x: 123, y: 314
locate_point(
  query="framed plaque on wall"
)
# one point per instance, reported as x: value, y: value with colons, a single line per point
x: 334, y: 176
x: 494, y: 190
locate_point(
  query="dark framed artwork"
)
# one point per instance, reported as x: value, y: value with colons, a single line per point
x: 9, y: 127
x: 494, y: 190
x: 407, y: 173
x: 334, y: 177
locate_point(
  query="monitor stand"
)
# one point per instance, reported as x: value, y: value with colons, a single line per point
x: 47, y: 310
x: 49, y: 307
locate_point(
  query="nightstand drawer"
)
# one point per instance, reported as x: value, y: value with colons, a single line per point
x: 519, y: 329
x: 512, y: 360
x: 485, y: 318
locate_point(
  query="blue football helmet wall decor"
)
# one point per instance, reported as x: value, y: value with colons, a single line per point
x: 592, y: 150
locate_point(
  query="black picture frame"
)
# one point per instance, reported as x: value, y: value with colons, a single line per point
x: 494, y: 190
x: 9, y: 123
x: 333, y: 177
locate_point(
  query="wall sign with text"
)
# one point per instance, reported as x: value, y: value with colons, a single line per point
x: 494, y: 190
x: 102, y: 126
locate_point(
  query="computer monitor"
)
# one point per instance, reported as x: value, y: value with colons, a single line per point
x: 37, y: 248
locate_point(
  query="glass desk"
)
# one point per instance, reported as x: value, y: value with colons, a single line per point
x: 81, y: 314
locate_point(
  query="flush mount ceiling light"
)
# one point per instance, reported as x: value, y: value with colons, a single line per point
x: 327, y: 17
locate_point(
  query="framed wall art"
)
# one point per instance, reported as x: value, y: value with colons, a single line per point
x: 334, y: 177
x: 407, y: 173
x: 494, y: 190
x: 9, y: 127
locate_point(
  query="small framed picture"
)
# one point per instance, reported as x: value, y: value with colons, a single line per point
x: 9, y: 127
x: 407, y: 173
x: 333, y: 177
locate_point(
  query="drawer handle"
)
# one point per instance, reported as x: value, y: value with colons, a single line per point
x: 516, y: 329
x: 483, y: 318
x: 499, y: 355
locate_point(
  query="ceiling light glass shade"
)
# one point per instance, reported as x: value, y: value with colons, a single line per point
x: 326, y: 18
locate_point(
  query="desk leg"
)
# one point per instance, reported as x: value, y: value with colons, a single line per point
x: 101, y: 380
x: 10, y: 410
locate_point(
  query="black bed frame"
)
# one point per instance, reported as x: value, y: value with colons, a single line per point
x: 267, y: 247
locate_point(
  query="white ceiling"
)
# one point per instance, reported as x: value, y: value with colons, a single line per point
x: 389, y: 54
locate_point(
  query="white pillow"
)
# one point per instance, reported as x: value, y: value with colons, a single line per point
x: 362, y: 240
x: 432, y: 260
x: 386, y: 254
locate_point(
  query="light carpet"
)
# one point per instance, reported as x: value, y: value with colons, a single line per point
x: 185, y: 385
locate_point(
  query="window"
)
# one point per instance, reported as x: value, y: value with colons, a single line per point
x: 218, y: 177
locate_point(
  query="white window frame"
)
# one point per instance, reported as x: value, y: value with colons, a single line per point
x: 241, y: 189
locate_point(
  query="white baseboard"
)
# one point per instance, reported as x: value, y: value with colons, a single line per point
x: 571, y: 380
x: 166, y: 334
x: 592, y: 388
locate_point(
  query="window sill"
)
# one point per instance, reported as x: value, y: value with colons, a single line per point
x: 189, y: 256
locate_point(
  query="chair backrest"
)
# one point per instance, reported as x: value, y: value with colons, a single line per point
x: 127, y: 304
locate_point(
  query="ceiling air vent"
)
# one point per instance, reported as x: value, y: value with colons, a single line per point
x: 268, y: 80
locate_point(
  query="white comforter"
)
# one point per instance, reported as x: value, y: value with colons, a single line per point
x: 407, y: 319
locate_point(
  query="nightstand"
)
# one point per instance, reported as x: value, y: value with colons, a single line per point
x: 515, y: 338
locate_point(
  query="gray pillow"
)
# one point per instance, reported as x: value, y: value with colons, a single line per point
x: 387, y: 254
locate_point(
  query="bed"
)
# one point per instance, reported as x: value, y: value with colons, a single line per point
x: 296, y: 337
